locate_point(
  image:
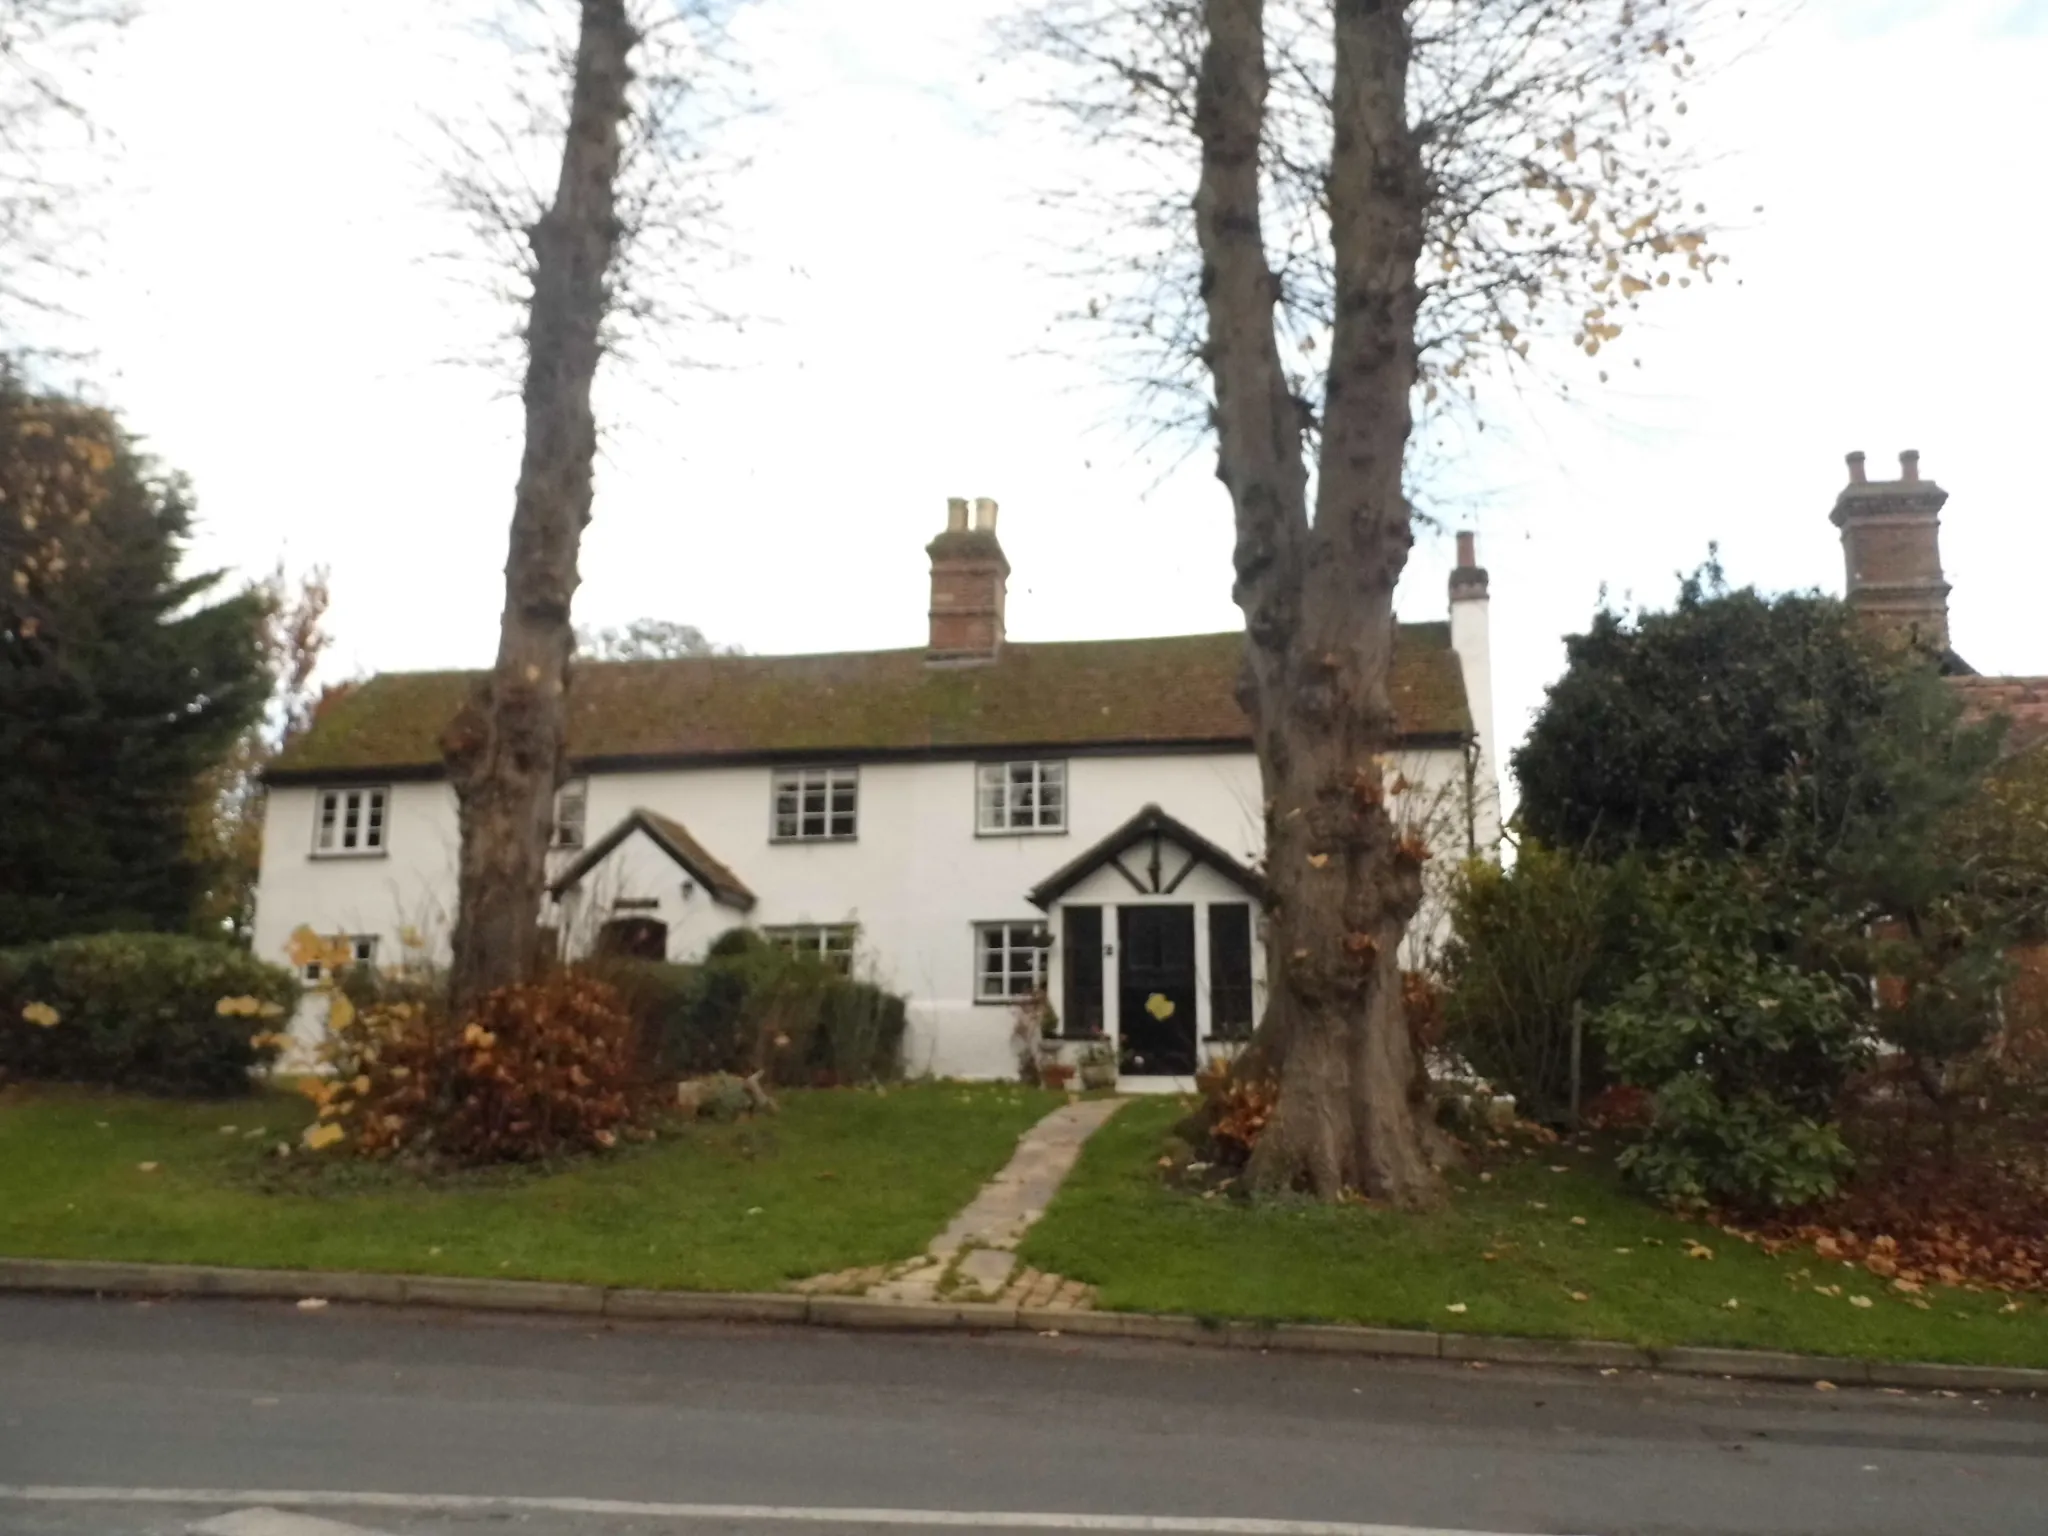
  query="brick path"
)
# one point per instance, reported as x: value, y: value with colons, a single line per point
x: 975, y: 1258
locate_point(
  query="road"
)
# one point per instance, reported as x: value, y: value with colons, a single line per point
x: 434, y: 1424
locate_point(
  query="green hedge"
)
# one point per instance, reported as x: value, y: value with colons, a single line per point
x: 749, y: 1007
x: 140, y: 1010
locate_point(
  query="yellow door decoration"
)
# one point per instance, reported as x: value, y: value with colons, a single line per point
x: 1160, y: 1006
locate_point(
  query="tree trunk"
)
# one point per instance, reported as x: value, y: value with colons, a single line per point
x: 505, y: 750
x: 1318, y: 602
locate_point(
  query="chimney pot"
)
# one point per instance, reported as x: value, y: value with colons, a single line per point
x: 956, y: 514
x: 1468, y: 551
x: 1909, y: 466
x: 984, y: 514
x: 1856, y: 468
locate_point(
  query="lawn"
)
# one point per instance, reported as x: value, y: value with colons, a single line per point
x: 838, y: 1178
x: 1517, y: 1250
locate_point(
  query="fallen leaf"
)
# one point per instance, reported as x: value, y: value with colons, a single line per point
x: 1861, y: 1301
x: 1698, y: 1250
x: 1611, y: 1371
x: 1559, y: 1168
x: 1624, y: 1250
x: 1825, y: 1386
x: 1538, y: 1205
x: 1456, y: 1306
x: 1578, y: 1221
x: 312, y: 1303
x: 1580, y: 1296
x: 1731, y: 1305
x: 146, y: 1167
x: 2008, y: 1309
x: 1318, y: 860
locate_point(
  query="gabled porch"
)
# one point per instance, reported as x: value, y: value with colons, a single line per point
x: 1156, y: 948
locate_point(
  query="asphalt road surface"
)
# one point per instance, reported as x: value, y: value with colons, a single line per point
x: 121, y: 1418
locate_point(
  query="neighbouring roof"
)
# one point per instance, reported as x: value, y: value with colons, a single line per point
x: 1156, y: 876
x: 2022, y: 700
x: 673, y: 839
x: 1174, y: 690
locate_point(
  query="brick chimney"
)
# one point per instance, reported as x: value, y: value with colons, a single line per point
x: 970, y: 579
x: 1891, y: 549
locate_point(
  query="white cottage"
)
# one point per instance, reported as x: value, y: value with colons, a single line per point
x: 964, y: 822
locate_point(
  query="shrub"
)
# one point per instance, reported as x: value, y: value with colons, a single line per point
x: 749, y: 1007
x: 1745, y: 1051
x: 546, y: 1068
x: 1531, y: 946
x: 150, y: 1011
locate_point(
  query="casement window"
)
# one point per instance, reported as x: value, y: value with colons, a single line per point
x: 1009, y: 961
x: 362, y: 950
x: 572, y: 807
x: 815, y: 805
x: 349, y: 821
x: 1020, y: 797
x: 829, y: 942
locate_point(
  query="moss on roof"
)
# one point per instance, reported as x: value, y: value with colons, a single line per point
x: 1173, y: 689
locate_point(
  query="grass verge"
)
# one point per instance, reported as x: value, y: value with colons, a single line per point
x: 1553, y: 1238
x: 837, y: 1179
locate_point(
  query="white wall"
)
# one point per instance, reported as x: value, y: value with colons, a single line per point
x: 916, y: 879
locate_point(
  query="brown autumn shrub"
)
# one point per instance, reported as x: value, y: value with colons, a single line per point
x: 541, y: 1070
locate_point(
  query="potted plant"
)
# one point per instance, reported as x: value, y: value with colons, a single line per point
x: 1055, y: 1074
x: 1098, y: 1064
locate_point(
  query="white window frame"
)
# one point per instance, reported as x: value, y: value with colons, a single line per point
x: 361, y: 812
x: 1023, y: 939
x: 362, y: 950
x: 800, y: 799
x: 1010, y: 798
x: 833, y: 943
x: 567, y: 831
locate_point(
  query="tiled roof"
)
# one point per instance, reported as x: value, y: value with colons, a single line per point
x: 2022, y: 700
x: 1167, y: 691
x: 675, y: 840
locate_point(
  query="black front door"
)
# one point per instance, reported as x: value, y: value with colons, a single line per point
x: 1156, y: 990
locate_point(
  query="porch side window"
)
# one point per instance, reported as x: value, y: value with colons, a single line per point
x: 815, y: 805
x: 829, y: 942
x: 1009, y: 961
x: 1081, y: 1011
x: 349, y: 821
x: 572, y: 807
x: 1021, y: 797
x: 1230, y: 971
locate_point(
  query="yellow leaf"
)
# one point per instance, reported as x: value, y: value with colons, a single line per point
x: 42, y: 1015
x: 1580, y: 1296
x: 1861, y: 1301
x: 1318, y: 860
x: 146, y: 1167
x: 1696, y: 1250
x: 1456, y: 1306
x: 319, y: 1137
x: 360, y: 1085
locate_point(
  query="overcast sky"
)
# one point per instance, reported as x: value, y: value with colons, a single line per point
x: 263, y: 311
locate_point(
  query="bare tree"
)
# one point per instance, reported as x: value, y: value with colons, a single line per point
x: 46, y: 137
x: 616, y: 188
x: 1388, y: 199
x: 649, y: 640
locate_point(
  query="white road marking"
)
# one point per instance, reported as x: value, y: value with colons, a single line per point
x: 463, y: 1503
x: 275, y: 1522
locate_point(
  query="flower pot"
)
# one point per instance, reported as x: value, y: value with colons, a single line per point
x: 1056, y: 1074
x: 1098, y: 1074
